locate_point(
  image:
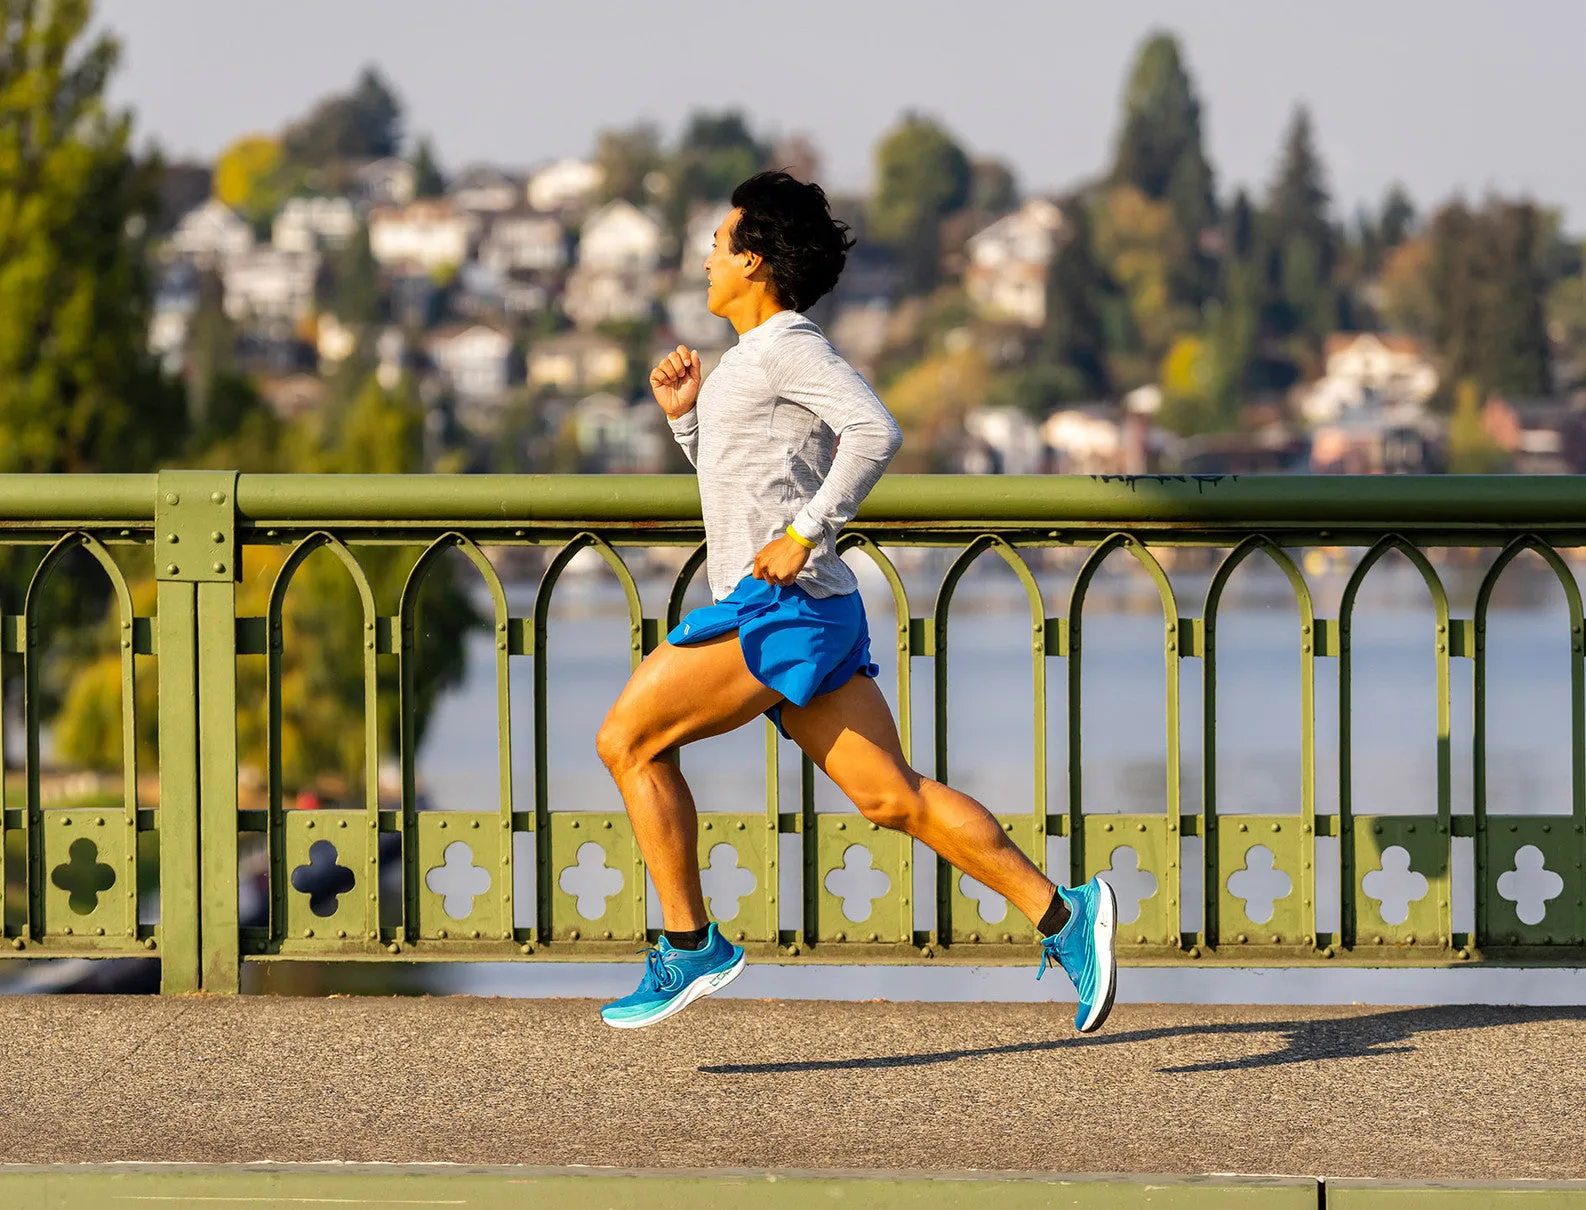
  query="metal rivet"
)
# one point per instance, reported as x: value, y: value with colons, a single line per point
x: 1376, y: 941
x: 1410, y: 940
x: 1140, y: 827
x: 311, y: 823
x: 872, y: 936
x: 526, y: 948
x: 341, y: 933
x: 66, y: 821
x: 927, y: 952
x: 1140, y: 939
x: 1241, y: 938
x: 173, y: 539
x: 148, y: 944
x: 394, y: 948
x: 308, y: 932
x: 1107, y: 827
x: 67, y: 930
x: 217, y: 536
x: 709, y: 825
x: 475, y: 934
x: 172, y: 569
x: 1194, y: 951
x: 342, y: 823
x: 607, y: 824
x: 1276, y: 938
x: 573, y: 935
x: 172, y: 498
x: 441, y: 933
x: 1244, y: 827
x: 974, y: 936
x: 217, y: 497
x: 842, y: 825
x: 740, y: 825
x: 842, y: 937
x: 1277, y: 827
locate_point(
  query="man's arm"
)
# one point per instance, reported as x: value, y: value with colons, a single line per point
x: 803, y: 368
x: 675, y: 384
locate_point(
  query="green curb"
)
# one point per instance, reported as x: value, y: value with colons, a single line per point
x: 274, y: 1187
x: 1455, y: 1195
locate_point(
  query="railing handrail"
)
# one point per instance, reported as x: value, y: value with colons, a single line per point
x: 1444, y: 501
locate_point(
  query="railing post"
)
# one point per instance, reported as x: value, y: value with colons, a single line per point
x: 196, y: 564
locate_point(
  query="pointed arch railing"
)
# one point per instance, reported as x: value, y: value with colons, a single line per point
x: 70, y: 861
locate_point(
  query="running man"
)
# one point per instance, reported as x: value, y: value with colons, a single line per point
x: 788, y: 440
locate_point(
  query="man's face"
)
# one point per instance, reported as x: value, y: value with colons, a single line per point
x: 724, y: 268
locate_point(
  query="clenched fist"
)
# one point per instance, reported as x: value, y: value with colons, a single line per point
x: 676, y: 382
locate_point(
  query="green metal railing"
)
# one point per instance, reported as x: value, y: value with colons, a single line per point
x: 193, y: 526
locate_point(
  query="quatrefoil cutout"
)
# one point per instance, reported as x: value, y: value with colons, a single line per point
x: 1395, y: 886
x: 591, y: 882
x: 458, y: 881
x: 323, y: 880
x: 84, y: 877
x: 1530, y: 885
x: 1260, y: 884
x: 1132, y: 885
x: 857, y: 883
x: 725, y: 882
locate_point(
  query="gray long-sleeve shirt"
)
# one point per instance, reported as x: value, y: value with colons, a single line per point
x: 785, y: 432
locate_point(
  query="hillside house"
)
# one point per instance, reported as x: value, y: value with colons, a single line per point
x: 389, y: 182
x: 266, y: 283
x: 1369, y: 369
x: 564, y: 185
x: 524, y: 240
x: 576, y: 361
x: 484, y: 189
x: 211, y: 235
x: 430, y: 235
x: 475, y: 359
x: 313, y: 224
x: 1008, y: 261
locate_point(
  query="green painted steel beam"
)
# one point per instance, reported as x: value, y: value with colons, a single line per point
x: 94, y: 1188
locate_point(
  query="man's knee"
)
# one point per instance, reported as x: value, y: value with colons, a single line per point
x: 618, y: 745
x: 898, y: 804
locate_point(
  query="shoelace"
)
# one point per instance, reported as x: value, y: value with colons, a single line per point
x: 658, y: 976
x: 1049, y: 953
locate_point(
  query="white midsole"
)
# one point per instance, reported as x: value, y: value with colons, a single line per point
x: 703, y: 986
x: 1101, y: 938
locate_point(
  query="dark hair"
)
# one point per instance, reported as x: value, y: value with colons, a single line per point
x: 789, y: 224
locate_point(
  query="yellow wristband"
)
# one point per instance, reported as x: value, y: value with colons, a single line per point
x: 800, y: 538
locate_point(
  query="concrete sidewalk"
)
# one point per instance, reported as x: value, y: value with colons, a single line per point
x: 1466, y: 1093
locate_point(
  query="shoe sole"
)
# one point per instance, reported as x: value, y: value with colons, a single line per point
x: 703, y: 986
x: 1104, y: 939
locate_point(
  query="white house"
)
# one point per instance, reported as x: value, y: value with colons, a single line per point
x: 576, y: 361
x: 1006, y: 277
x: 211, y: 234
x: 691, y: 320
x: 476, y: 359
x: 484, y: 188
x: 594, y: 297
x: 1004, y: 441
x: 1086, y: 440
x: 267, y: 283
x: 311, y: 224
x: 615, y: 436
x: 564, y: 185
x: 1370, y: 369
x: 431, y: 235
x: 699, y: 237
x: 524, y: 239
x: 387, y: 182
x: 619, y: 237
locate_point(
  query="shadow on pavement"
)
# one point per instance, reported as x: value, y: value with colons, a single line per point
x: 1360, y: 1037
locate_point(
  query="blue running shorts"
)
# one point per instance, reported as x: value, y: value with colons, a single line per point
x: 799, y: 645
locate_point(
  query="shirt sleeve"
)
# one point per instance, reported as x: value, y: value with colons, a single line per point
x: 685, y: 429
x: 803, y: 368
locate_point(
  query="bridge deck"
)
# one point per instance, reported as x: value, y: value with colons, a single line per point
x: 1472, y: 1093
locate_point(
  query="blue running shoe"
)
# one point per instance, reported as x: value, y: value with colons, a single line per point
x: 1084, y: 949
x: 674, y: 979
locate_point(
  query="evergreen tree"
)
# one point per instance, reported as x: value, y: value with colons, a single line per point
x: 1398, y: 221
x: 625, y: 159
x: 922, y: 176
x: 1074, y: 336
x: 428, y: 179
x: 78, y: 389
x: 1160, y: 152
x: 364, y: 124
x: 1301, y: 241
x: 1518, y: 356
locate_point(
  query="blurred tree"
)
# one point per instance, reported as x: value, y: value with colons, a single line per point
x: 350, y: 283
x: 1404, y: 289
x: 1518, y: 356
x: 1189, y: 382
x: 717, y: 152
x: 428, y: 179
x: 1159, y: 152
x: 931, y: 399
x: 1074, y: 337
x: 993, y: 188
x: 1138, y: 242
x: 248, y: 177
x: 1300, y: 239
x: 922, y: 176
x: 78, y: 388
x: 626, y: 158
x: 1471, y: 451
x: 1398, y: 221
x: 364, y: 124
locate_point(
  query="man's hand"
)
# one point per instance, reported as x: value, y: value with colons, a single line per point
x: 781, y: 561
x: 676, y: 382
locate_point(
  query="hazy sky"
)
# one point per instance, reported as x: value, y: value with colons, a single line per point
x: 1441, y: 94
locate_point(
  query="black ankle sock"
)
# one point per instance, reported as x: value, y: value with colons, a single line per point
x: 1056, y: 916
x: 686, y: 939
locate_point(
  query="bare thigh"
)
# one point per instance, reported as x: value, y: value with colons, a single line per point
x: 681, y: 694
x: 850, y: 735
